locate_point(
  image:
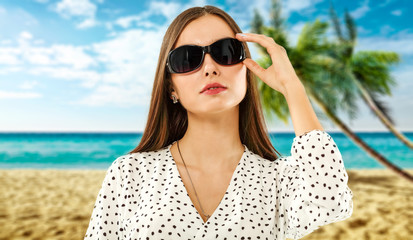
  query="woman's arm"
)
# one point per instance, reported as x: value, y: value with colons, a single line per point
x: 313, y: 185
x: 281, y: 77
x: 312, y: 182
x: 302, y: 114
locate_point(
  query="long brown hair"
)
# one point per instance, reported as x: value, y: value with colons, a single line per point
x: 168, y: 122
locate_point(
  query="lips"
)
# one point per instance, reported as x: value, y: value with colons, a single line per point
x: 212, y: 85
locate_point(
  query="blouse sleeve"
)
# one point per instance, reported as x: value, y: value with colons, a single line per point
x: 315, y: 187
x: 105, y: 219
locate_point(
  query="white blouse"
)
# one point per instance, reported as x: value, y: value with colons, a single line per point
x: 143, y: 196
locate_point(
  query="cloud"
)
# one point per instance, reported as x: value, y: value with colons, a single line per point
x: 19, y: 17
x: 38, y: 41
x: 57, y: 61
x: 242, y: 10
x: 404, y: 86
x: 168, y: 10
x: 12, y: 69
x: 28, y: 85
x: 9, y: 56
x: 126, y: 22
x: 388, y: 43
x: 6, y: 42
x: 361, y: 11
x: 397, y: 12
x: 87, y: 78
x: 290, y: 6
x: 83, y: 9
x: 118, y: 71
x: 58, y: 54
x: 384, y: 30
x: 2, y: 10
x: 363, y: 30
x: 26, y: 35
x: 401, y: 99
x: 129, y: 70
x: 87, y: 23
x: 116, y: 95
x: 387, y: 2
x: 18, y: 95
x: 69, y: 8
x: 111, y: 12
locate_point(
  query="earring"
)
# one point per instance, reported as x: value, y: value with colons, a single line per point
x: 175, y: 100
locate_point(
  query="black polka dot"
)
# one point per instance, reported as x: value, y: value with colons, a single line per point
x: 143, y: 196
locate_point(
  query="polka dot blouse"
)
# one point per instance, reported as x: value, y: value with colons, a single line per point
x: 143, y: 196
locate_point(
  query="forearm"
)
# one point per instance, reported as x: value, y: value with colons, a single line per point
x: 302, y: 114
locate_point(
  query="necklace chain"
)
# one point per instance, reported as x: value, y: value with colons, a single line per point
x: 207, y: 216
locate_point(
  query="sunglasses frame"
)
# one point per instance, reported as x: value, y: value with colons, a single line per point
x: 205, y: 50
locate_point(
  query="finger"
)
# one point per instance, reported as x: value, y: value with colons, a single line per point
x: 254, y: 67
x: 261, y: 39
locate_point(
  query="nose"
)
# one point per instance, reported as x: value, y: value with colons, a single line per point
x: 210, y: 66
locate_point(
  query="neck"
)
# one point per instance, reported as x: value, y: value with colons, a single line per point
x: 212, y: 142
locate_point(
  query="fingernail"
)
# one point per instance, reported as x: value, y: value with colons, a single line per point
x: 242, y: 35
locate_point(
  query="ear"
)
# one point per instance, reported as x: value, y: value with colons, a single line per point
x: 171, y: 89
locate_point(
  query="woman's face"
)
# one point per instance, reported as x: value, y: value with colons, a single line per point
x: 187, y: 86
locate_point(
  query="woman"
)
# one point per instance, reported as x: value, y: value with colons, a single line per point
x: 205, y: 168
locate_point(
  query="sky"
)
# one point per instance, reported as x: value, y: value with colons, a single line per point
x: 89, y: 65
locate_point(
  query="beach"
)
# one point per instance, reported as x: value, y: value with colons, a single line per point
x: 57, y: 204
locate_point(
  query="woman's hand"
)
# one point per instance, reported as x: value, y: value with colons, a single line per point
x: 281, y: 72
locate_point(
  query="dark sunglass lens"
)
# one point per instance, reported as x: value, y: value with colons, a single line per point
x: 227, y: 51
x: 186, y: 58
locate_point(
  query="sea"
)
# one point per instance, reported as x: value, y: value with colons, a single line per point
x: 98, y: 150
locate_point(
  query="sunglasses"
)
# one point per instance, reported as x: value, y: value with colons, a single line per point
x: 186, y: 58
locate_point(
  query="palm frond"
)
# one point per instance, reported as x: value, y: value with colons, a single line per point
x: 273, y: 101
x: 279, y: 36
x: 257, y: 22
x: 334, y: 80
x: 372, y: 68
x: 336, y: 22
x: 312, y: 37
x: 277, y: 21
x: 351, y: 27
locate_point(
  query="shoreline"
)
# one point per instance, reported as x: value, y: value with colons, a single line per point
x: 57, y: 204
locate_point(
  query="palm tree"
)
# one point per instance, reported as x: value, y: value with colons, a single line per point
x: 328, y: 80
x: 371, y: 74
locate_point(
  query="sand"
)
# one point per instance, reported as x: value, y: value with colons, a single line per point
x: 57, y: 204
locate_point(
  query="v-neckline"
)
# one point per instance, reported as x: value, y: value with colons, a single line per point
x: 229, y: 187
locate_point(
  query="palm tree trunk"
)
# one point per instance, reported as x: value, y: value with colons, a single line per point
x: 382, y: 117
x: 381, y: 159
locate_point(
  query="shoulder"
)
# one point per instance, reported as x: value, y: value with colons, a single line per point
x: 139, y: 160
x: 256, y: 159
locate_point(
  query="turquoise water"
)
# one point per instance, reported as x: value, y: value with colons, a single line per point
x: 99, y: 150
